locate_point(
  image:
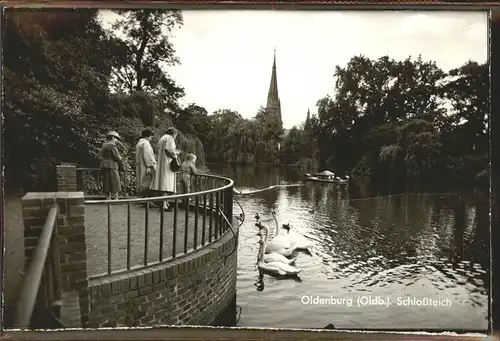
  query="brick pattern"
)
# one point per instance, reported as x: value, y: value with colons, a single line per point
x: 66, y: 178
x: 190, y: 290
x: 70, y: 232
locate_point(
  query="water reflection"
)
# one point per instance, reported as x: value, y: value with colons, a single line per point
x: 257, y: 176
x: 418, y: 245
x: 259, y: 283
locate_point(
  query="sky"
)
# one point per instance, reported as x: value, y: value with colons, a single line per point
x: 226, y: 55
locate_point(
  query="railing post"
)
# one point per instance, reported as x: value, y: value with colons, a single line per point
x: 66, y: 178
x: 229, y: 204
x: 70, y: 239
x: 35, y: 292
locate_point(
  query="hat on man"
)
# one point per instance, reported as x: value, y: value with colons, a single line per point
x: 171, y: 131
x: 147, y: 132
x: 114, y: 134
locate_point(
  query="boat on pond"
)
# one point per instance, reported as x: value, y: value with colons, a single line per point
x: 326, y: 176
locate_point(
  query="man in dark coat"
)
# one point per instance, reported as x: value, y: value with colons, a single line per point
x: 111, y: 164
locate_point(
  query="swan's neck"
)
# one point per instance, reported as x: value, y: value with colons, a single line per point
x: 260, y: 257
x: 277, y: 225
x: 265, y: 238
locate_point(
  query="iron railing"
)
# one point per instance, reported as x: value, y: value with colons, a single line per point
x: 39, y: 300
x: 89, y: 180
x: 205, y: 215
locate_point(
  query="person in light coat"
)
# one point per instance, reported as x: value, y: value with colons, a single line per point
x: 164, y: 181
x: 145, y: 162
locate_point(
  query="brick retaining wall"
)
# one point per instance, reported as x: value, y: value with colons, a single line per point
x: 191, y: 290
x: 70, y: 232
x: 66, y: 178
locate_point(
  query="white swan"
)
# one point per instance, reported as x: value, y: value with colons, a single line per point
x: 295, y: 240
x: 279, y: 243
x: 299, y: 241
x: 274, y: 256
x: 280, y: 246
x: 277, y: 268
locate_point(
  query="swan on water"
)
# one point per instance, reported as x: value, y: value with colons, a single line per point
x: 277, y: 268
x: 297, y: 239
x: 280, y: 242
x: 278, y: 247
x: 274, y: 256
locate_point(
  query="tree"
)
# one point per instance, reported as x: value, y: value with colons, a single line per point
x: 416, y: 149
x: 370, y: 93
x: 465, y: 130
x: 56, y: 92
x: 192, y: 119
x: 221, y: 123
x: 468, y: 92
x: 272, y: 132
x: 293, y: 146
x: 299, y: 146
x: 147, y: 52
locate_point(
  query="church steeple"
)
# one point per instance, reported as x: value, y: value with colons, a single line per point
x: 273, y: 106
x: 307, y: 123
x: 272, y: 96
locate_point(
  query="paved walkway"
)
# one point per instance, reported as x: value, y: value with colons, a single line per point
x: 96, y: 228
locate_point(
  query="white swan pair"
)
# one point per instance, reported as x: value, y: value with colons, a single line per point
x: 272, y: 256
x: 274, y: 263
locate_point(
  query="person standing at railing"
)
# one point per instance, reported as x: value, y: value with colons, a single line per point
x: 164, y: 181
x: 111, y: 164
x: 188, y: 168
x: 145, y: 162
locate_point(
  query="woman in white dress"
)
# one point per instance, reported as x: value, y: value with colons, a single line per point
x: 164, y: 181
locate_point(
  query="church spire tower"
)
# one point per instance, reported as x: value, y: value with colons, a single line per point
x: 273, y: 106
x: 307, y: 123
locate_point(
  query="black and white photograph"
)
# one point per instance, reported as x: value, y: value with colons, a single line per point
x: 299, y: 169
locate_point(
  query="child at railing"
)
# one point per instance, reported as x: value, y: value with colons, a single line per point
x: 187, y: 169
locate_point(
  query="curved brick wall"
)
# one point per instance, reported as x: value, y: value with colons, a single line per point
x: 190, y: 290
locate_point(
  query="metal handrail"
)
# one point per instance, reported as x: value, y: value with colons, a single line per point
x: 211, y: 206
x: 32, y: 280
x: 169, y: 197
x: 98, y: 169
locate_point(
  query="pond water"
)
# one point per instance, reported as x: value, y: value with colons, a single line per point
x: 417, y: 246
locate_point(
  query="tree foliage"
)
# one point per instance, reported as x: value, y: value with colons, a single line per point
x: 405, y: 123
x: 393, y: 123
x: 58, y: 72
x: 68, y: 81
x: 227, y: 137
x: 146, y: 52
x: 56, y: 100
